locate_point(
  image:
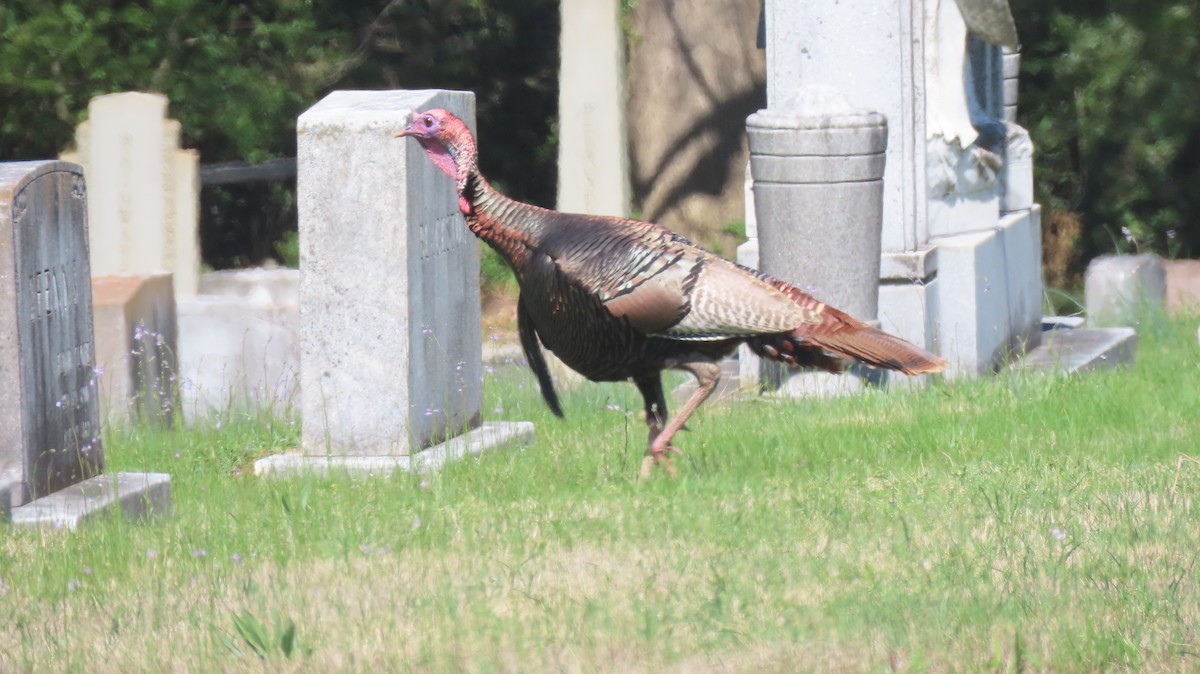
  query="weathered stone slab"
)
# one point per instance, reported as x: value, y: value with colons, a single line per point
x: 136, y: 347
x: 1082, y: 350
x: 488, y: 437
x: 137, y: 495
x: 238, y: 352
x: 240, y: 343
x: 389, y: 294
x: 260, y: 285
x: 1119, y: 289
x: 49, y: 408
x: 144, y: 191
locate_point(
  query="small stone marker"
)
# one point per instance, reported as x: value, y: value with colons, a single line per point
x: 390, y: 327
x: 49, y: 407
x: 1183, y: 287
x: 136, y: 346
x: 1118, y: 289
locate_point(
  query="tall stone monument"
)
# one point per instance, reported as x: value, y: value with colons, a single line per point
x: 960, y: 271
x: 144, y: 191
x: 593, y: 163
x: 50, y: 440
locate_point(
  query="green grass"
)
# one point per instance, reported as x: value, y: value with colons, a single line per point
x: 1019, y: 522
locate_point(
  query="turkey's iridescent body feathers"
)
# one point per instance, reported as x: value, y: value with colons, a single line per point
x: 619, y: 299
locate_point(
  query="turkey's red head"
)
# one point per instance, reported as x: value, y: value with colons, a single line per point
x: 446, y: 139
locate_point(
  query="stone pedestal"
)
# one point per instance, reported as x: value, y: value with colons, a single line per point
x: 818, y: 165
x: 390, y: 329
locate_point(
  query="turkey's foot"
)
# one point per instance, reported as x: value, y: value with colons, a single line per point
x: 659, y: 456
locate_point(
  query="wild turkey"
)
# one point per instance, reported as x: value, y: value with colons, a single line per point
x: 619, y: 299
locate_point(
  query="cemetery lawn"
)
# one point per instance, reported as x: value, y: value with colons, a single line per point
x: 1018, y: 522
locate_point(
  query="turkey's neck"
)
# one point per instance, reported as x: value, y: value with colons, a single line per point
x: 510, y: 227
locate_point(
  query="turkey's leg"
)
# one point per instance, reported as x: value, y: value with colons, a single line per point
x: 707, y: 374
x: 651, y: 389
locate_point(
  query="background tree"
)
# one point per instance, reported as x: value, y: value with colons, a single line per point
x: 1110, y: 92
x: 238, y: 75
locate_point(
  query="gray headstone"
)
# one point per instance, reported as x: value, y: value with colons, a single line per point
x: 390, y: 327
x: 1119, y: 289
x: 49, y: 408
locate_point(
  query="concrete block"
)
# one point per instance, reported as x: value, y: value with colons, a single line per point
x: 137, y: 496
x: 136, y: 347
x: 389, y: 294
x: 488, y: 437
x: 237, y: 352
x: 989, y: 295
x: 593, y: 157
x: 1082, y: 350
x: 1183, y: 287
x: 1119, y: 289
x: 910, y: 310
x: 144, y: 191
x: 49, y: 408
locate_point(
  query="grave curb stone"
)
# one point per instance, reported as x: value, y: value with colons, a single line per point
x: 486, y: 438
x: 137, y: 495
x: 1079, y: 350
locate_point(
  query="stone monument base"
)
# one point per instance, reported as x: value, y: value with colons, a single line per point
x: 486, y: 438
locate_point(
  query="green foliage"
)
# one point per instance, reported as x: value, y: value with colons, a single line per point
x: 262, y: 640
x: 494, y: 273
x: 288, y: 249
x: 1110, y: 92
x: 238, y: 75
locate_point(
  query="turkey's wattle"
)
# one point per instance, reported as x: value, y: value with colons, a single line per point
x: 619, y: 299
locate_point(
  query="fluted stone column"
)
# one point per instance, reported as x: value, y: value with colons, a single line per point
x: 817, y: 164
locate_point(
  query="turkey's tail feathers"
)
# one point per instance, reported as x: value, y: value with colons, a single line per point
x: 842, y: 335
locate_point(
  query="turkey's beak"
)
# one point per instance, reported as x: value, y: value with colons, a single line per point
x: 405, y: 132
